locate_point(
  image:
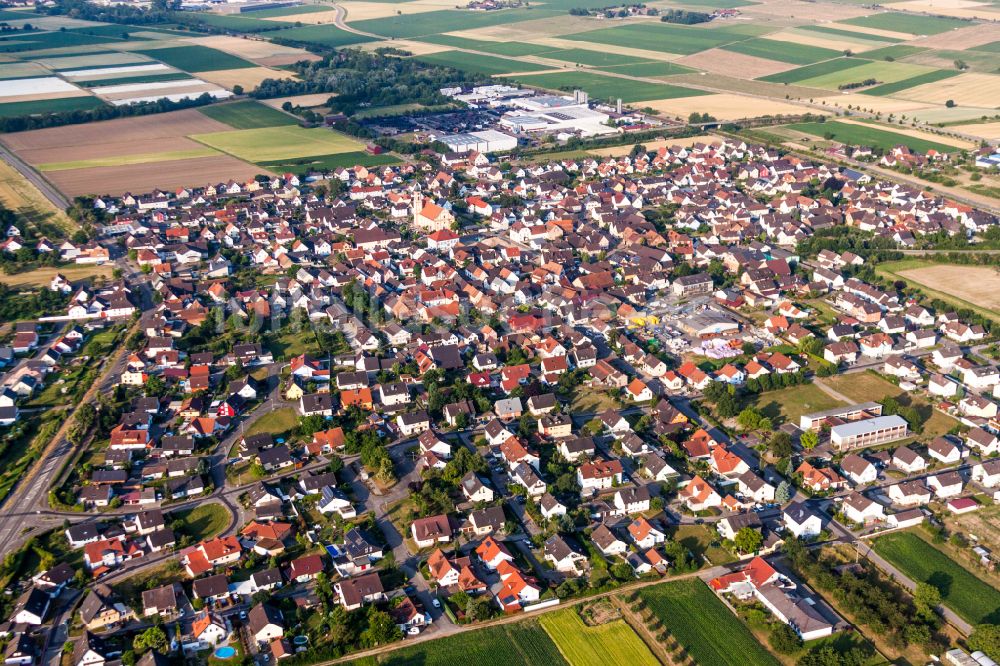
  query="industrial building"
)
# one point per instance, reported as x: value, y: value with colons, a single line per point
x: 554, y: 114
x: 486, y: 141
x: 877, y: 430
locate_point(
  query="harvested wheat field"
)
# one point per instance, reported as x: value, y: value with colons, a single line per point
x: 873, y: 103
x: 307, y: 101
x: 970, y: 89
x: 989, y: 131
x: 416, y: 48
x: 963, y: 38
x: 248, y: 77
x: 311, y: 18
x: 734, y: 64
x: 725, y: 106
x: 559, y: 44
x: 41, y: 277
x: 253, y: 49
x: 724, y: 83
x: 813, y: 11
x: 956, y: 8
x: 976, y: 284
x: 175, y: 124
x: 20, y: 196
x: 362, y: 11
x: 528, y: 31
x: 823, y: 41
x: 878, y: 32
x: 116, y: 180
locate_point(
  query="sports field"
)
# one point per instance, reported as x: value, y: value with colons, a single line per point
x: 582, y: 645
x: 961, y: 590
x: 863, y: 135
x: 278, y: 143
x: 702, y: 624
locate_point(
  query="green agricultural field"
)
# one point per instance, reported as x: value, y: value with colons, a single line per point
x: 582, y: 645
x: 606, y: 87
x: 480, y: 64
x: 14, y: 109
x: 196, y: 58
x: 247, y: 115
x: 448, y: 20
x: 516, y: 643
x: 992, y: 47
x: 269, y: 144
x: 329, y: 162
x: 896, y: 51
x: 593, y: 58
x: 886, y: 72
x: 649, y: 69
x: 323, y: 35
x: 860, y: 135
x: 11, y: 15
x: 961, y: 590
x: 204, y: 521
x: 911, y: 82
x: 499, y: 48
x: 37, y: 40
x: 911, y: 23
x: 700, y: 622
x: 125, y: 160
x: 235, y: 23
x: 853, y: 34
x: 663, y: 37
x: 138, y: 78
x: 813, y: 71
x: 796, y: 54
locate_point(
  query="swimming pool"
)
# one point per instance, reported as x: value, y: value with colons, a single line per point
x: 225, y: 652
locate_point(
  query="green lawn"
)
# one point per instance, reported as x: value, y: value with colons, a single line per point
x: 195, y: 58
x: 277, y: 422
x: 812, y: 71
x: 14, y: 109
x: 204, y: 521
x: 247, y: 114
x: 702, y: 540
x: 796, y: 54
x: 447, y: 20
x: 788, y: 404
x: 270, y: 144
x: 516, y: 643
x: 701, y: 623
x: 663, y: 37
x: 583, y: 645
x: 606, y: 87
x: 911, y: 23
x: 861, y: 135
x: 912, y: 82
x: 480, y: 64
x: 323, y: 35
x: 865, y: 386
x: 961, y: 590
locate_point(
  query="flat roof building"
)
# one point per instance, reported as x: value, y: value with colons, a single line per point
x: 857, y: 412
x: 877, y: 430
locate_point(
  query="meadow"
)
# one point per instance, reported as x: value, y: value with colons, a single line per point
x: 516, y: 643
x: 278, y: 143
x: 961, y: 590
x: 583, y: 645
x: 862, y: 135
x: 481, y: 64
x: 702, y: 624
x: 788, y: 404
x: 247, y: 115
x: 606, y: 87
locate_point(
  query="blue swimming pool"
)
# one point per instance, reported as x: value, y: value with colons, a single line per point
x: 225, y: 652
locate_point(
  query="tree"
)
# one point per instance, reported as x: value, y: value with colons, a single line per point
x: 783, y: 493
x: 784, y: 640
x: 748, y: 540
x: 809, y: 439
x: 781, y: 444
x: 926, y: 598
x: 986, y: 637
x: 479, y: 609
x: 381, y: 629
x: 153, y: 638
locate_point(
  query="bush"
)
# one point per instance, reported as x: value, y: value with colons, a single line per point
x: 784, y: 640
